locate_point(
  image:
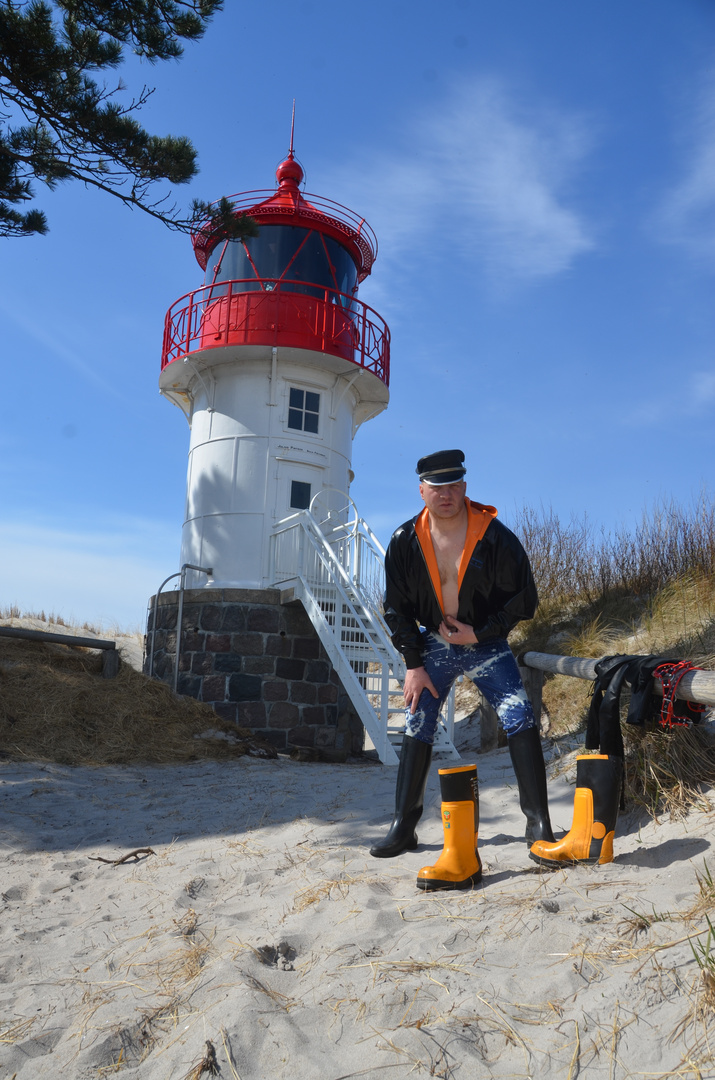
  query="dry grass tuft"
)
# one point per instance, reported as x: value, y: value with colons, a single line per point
x: 55, y: 706
x: 208, y: 1066
x: 595, y: 638
x: 12, y: 611
x: 708, y: 991
x: 639, y: 922
x: 706, y: 887
x: 156, y: 1021
x: 325, y: 890
x: 187, y: 925
x: 283, y: 1001
x: 187, y: 964
x: 18, y: 1029
x: 565, y: 702
x: 665, y: 772
x: 648, y: 590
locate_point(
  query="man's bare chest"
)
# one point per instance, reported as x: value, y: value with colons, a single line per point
x: 448, y: 553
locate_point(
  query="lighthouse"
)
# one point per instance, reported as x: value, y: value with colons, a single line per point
x: 276, y: 363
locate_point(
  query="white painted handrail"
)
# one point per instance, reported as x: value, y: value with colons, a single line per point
x: 339, y: 577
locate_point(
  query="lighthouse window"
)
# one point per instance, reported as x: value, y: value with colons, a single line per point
x: 303, y: 410
x: 299, y: 495
x: 284, y: 253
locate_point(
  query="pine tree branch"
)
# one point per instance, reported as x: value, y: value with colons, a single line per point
x: 76, y: 128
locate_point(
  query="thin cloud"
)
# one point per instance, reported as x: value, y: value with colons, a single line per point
x: 484, y: 175
x: 686, y: 215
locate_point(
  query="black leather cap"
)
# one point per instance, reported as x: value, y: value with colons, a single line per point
x: 443, y: 467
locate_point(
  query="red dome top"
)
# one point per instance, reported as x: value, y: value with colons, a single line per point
x: 287, y: 206
x: 289, y: 171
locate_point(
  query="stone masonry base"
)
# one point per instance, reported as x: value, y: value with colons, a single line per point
x: 255, y: 657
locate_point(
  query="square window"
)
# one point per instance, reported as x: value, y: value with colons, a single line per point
x: 303, y: 410
x: 299, y: 495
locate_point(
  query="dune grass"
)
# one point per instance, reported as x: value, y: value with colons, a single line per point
x: 649, y: 590
x: 56, y: 706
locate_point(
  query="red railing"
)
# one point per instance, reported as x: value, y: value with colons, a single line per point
x: 297, y: 208
x: 294, y: 314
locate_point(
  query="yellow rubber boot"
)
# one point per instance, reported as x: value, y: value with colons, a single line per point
x: 459, y: 865
x: 595, y: 812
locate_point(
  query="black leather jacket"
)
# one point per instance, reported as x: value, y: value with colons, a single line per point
x: 497, y: 591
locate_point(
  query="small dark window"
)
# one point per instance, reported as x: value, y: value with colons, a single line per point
x: 299, y: 495
x: 303, y: 410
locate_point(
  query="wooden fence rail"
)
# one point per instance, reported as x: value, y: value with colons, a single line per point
x: 695, y: 685
x: 110, y: 656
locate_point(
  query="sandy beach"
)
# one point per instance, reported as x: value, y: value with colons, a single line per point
x: 256, y: 938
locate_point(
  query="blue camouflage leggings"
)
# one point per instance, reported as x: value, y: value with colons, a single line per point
x: 493, y: 670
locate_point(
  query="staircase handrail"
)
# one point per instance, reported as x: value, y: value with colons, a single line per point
x: 346, y: 592
x: 375, y: 726
x: 372, y: 538
x: 304, y: 519
x: 370, y: 639
x: 340, y: 567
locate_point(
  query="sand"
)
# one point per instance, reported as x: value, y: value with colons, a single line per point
x: 257, y: 937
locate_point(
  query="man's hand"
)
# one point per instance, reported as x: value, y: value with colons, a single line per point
x: 457, y: 633
x: 417, y: 680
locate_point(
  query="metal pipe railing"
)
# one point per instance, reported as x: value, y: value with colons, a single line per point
x: 208, y: 570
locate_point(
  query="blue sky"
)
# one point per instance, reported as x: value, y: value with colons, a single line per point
x: 541, y: 178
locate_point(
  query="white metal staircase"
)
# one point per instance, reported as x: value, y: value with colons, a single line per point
x: 336, y: 569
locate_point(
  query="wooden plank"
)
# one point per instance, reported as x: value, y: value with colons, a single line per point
x: 575, y: 666
x: 59, y: 639
x: 110, y: 663
x: 488, y: 727
x: 695, y: 686
x: 533, y: 681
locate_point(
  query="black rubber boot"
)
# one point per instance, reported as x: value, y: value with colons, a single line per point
x: 527, y: 757
x: 415, y: 758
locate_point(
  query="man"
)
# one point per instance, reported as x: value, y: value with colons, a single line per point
x: 457, y: 582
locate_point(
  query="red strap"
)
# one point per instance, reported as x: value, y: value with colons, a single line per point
x: 671, y: 676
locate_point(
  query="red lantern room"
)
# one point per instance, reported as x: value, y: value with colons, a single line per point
x: 293, y: 285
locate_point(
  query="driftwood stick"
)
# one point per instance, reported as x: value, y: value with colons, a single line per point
x: 125, y: 858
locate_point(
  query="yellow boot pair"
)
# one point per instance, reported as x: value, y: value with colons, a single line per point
x: 595, y: 812
x: 459, y: 865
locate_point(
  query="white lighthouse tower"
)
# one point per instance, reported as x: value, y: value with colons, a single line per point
x: 276, y: 363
